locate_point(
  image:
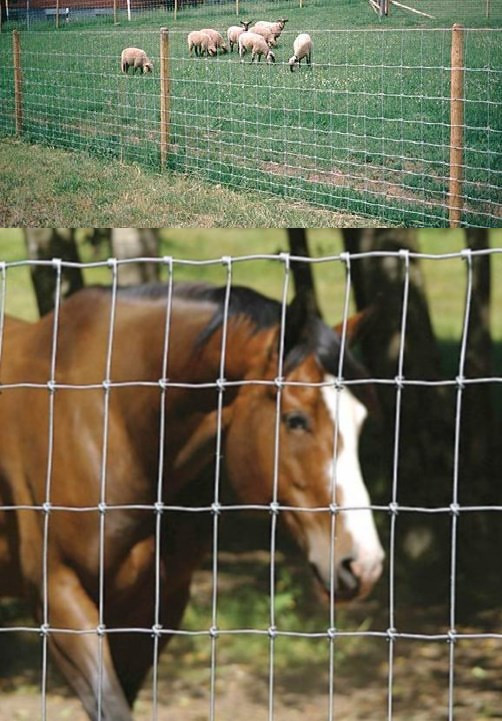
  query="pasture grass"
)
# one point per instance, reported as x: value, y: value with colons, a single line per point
x: 41, y: 186
x: 365, y: 132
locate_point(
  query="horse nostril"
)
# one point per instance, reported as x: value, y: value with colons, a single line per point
x: 348, y: 583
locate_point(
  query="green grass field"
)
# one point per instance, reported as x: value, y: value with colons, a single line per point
x: 365, y: 132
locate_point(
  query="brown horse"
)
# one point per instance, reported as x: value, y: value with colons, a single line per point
x: 89, y: 504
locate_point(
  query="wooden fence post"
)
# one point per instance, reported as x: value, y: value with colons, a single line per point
x: 115, y: 12
x: 301, y: 3
x: 236, y: 7
x: 487, y: 8
x: 164, y: 96
x: 18, y: 90
x: 456, y: 125
x: 57, y: 14
x: 175, y: 9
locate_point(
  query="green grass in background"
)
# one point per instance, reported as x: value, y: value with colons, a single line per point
x: 445, y: 280
x: 366, y: 132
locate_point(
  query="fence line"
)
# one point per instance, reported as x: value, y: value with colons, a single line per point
x: 37, y: 14
x: 393, y: 508
x: 367, y: 131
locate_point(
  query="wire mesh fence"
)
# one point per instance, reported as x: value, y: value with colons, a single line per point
x: 366, y: 130
x: 39, y: 14
x: 47, y: 509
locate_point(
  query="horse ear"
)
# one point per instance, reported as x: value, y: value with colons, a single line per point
x: 357, y: 324
x: 297, y: 320
x: 200, y: 447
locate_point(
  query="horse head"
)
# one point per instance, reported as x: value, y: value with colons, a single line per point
x: 314, y: 428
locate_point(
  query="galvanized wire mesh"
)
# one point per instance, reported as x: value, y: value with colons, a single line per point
x: 366, y: 131
x: 393, y: 509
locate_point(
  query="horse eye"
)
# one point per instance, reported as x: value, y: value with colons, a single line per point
x: 295, y: 420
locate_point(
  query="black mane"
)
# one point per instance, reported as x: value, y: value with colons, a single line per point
x: 315, y: 338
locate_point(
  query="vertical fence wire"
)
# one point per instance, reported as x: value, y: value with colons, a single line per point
x: 393, y: 506
x: 100, y: 630
x: 467, y: 255
x: 274, y: 506
x: 157, y: 628
x: 216, y: 506
x: 48, y: 483
x: 338, y: 387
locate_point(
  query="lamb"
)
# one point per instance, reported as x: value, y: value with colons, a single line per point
x: 217, y: 39
x: 265, y: 33
x: 302, y: 48
x: 234, y: 31
x: 135, y: 58
x: 201, y: 43
x: 258, y: 46
x: 275, y: 27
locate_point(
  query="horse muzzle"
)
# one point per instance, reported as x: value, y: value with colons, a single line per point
x: 353, y: 579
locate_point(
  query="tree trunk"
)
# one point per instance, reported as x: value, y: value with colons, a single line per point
x: 478, y: 422
x: 46, y: 244
x: 3, y: 11
x: 425, y: 446
x: 302, y: 272
x: 136, y: 243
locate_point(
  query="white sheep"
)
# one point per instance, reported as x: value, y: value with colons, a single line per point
x: 265, y: 33
x: 234, y: 31
x: 135, y: 58
x: 302, y: 48
x: 201, y: 43
x: 275, y: 27
x: 216, y: 38
x: 258, y: 46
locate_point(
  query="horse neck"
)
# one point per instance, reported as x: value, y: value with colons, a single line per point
x: 194, y: 361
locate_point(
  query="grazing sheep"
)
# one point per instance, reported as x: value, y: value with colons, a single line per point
x: 302, y: 48
x: 258, y: 46
x: 265, y: 33
x: 216, y: 38
x: 234, y: 31
x: 275, y: 27
x: 201, y: 43
x: 135, y: 58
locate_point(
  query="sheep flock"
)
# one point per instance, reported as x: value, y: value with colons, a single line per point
x: 259, y: 39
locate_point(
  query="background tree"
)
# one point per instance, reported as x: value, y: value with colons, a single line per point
x: 45, y: 244
x: 302, y: 272
x: 478, y: 430
x: 136, y: 243
x: 425, y: 423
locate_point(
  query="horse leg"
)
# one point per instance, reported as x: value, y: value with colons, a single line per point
x: 132, y: 667
x: 77, y: 655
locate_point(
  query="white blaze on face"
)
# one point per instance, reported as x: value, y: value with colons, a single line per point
x: 349, y: 417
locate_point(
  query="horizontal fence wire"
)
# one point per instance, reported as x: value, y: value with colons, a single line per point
x: 40, y: 14
x: 105, y: 509
x: 366, y: 131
